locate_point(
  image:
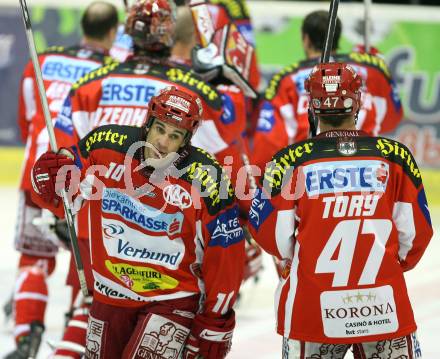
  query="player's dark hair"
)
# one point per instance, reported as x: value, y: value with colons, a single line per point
x: 335, y: 120
x: 98, y: 19
x: 315, y: 27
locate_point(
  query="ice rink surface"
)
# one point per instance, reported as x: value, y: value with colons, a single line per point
x: 254, y: 336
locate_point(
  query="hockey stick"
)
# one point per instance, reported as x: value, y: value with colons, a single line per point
x: 125, y: 2
x: 325, y: 56
x: 53, y: 143
x: 367, y: 23
x: 333, y: 14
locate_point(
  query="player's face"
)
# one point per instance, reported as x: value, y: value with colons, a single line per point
x: 165, y: 138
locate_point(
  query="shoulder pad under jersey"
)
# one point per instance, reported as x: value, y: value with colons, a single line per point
x: 53, y: 50
x: 79, y: 52
x: 113, y: 137
x: 398, y: 153
x: 202, y: 171
x: 365, y: 59
x: 187, y: 78
x: 275, y: 81
x: 95, y: 75
x: 279, y: 170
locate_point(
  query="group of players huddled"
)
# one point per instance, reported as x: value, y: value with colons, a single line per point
x: 178, y: 175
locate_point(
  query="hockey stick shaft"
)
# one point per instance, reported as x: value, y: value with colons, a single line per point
x: 325, y: 56
x: 333, y: 15
x: 367, y: 24
x: 53, y: 143
x: 126, y: 7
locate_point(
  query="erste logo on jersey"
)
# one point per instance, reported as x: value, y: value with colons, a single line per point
x: 129, y: 91
x: 346, y: 176
x: 225, y: 230
x: 61, y: 68
x: 178, y: 196
x: 123, y: 242
x: 140, y: 214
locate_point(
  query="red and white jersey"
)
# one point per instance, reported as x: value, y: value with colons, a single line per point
x: 151, y: 241
x: 349, y: 213
x: 119, y: 94
x: 283, y: 118
x: 60, y: 68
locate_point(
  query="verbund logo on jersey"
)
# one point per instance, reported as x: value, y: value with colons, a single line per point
x: 129, y: 91
x: 135, y: 212
x: 60, y: 68
x: 346, y: 176
x: 123, y: 242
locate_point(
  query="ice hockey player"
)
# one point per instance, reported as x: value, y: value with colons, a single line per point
x: 283, y: 118
x: 38, y: 245
x: 119, y: 94
x: 167, y: 250
x: 345, y: 283
x: 238, y: 151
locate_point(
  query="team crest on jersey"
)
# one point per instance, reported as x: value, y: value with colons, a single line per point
x: 346, y: 146
x: 141, y: 69
x: 177, y: 196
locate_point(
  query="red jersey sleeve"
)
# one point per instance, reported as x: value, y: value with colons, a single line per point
x: 221, y: 248
x: 269, y: 216
x: 26, y: 102
x: 411, y: 215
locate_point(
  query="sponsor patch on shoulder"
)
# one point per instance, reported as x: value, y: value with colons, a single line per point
x: 261, y: 208
x: 266, y: 119
x: 225, y: 229
x: 63, y: 121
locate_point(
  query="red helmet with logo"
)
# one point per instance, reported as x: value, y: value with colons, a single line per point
x: 334, y: 89
x: 151, y: 24
x: 175, y: 107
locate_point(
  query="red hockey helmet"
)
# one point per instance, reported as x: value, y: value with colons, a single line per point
x: 151, y: 24
x: 334, y: 89
x: 175, y: 107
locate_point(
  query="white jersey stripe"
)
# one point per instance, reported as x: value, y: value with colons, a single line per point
x: 65, y: 345
x: 21, y: 328
x: 288, y: 307
x: 403, y: 218
x: 30, y: 295
x: 77, y: 324
x: 285, y: 227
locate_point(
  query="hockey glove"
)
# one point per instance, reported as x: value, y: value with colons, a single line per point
x: 210, y: 338
x: 44, y: 175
